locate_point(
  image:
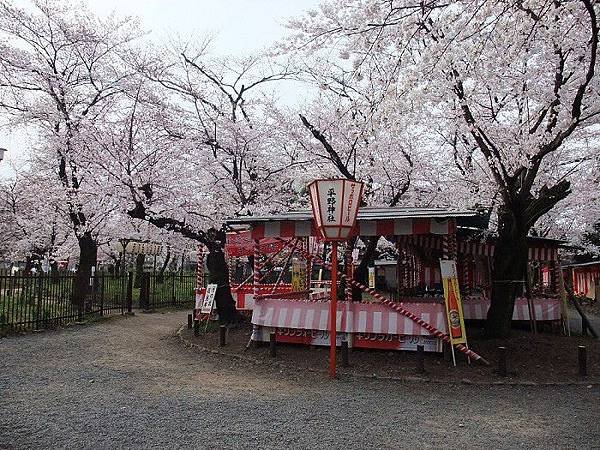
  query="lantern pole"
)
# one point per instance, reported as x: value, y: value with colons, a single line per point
x: 333, y: 309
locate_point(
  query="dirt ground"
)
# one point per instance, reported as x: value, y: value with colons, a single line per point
x: 130, y: 383
x: 540, y: 358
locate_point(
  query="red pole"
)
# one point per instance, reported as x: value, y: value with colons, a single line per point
x: 333, y: 309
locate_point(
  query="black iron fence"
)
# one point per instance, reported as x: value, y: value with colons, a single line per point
x: 47, y: 300
x: 171, y: 289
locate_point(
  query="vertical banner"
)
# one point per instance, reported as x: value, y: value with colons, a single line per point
x: 454, y: 310
x: 298, y: 275
x: 372, y: 277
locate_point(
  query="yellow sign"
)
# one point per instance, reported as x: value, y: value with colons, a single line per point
x: 298, y: 276
x: 372, y: 277
x: 454, y: 309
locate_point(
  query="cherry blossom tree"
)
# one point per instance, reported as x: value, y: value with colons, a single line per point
x: 507, y: 89
x: 62, y: 70
x: 33, y: 227
x: 196, y: 142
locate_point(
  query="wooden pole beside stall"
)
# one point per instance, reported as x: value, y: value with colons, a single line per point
x: 528, y: 296
x: 563, y: 303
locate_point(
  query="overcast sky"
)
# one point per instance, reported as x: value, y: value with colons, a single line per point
x: 238, y: 27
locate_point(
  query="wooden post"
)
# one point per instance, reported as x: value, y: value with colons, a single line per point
x: 333, y: 309
x: 345, y: 359
x: 563, y: 303
x: 273, y: 345
x: 196, y: 327
x: 222, y: 336
x: 190, y: 321
x: 420, y: 359
x: 502, y: 366
x: 582, y: 358
x: 528, y: 296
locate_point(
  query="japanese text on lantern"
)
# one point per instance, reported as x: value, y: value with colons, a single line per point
x: 350, y: 205
x: 331, y: 201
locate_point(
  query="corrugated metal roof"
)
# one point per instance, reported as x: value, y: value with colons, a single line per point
x: 366, y: 213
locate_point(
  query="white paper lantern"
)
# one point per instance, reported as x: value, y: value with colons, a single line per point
x: 335, y: 206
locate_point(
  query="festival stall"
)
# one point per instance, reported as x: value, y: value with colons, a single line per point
x: 302, y: 316
x: 294, y: 303
x: 585, y: 278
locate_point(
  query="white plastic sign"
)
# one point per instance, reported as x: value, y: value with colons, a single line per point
x: 209, y: 299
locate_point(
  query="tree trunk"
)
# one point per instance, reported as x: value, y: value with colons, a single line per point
x: 88, y: 255
x: 28, y: 266
x: 118, y: 264
x: 508, y: 274
x: 161, y: 272
x: 218, y: 273
x: 54, y: 272
x: 140, y: 260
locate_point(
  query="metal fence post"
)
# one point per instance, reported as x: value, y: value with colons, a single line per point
x: 101, y: 294
x: 122, y: 291
x: 39, y: 301
x: 130, y: 293
x: 173, y: 297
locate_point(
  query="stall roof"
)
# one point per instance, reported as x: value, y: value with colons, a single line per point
x: 590, y: 263
x: 367, y: 213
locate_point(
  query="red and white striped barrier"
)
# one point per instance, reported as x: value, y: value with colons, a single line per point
x: 545, y: 309
x: 351, y: 317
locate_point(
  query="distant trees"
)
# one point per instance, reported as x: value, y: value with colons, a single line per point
x: 33, y: 227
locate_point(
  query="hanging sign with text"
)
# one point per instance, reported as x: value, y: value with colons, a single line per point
x: 209, y: 299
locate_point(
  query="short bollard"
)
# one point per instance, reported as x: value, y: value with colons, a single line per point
x: 345, y: 360
x: 446, y: 352
x: 222, y: 336
x: 582, y: 356
x: 273, y: 345
x: 196, y: 327
x: 420, y: 359
x: 502, y: 368
x: 190, y: 321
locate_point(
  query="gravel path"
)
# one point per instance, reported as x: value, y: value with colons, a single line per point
x: 129, y: 383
